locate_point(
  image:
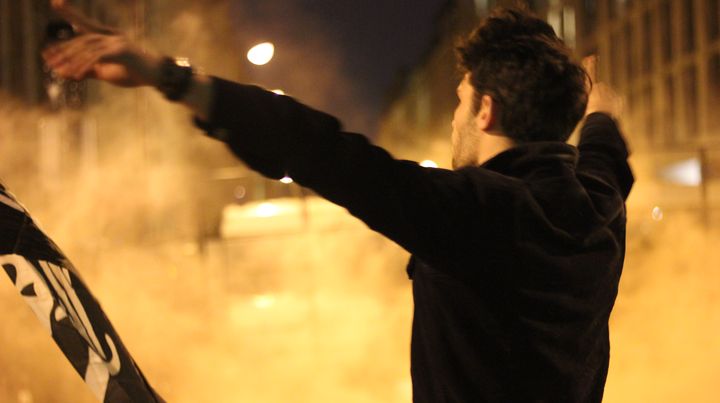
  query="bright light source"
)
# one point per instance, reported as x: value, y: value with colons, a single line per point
x: 261, y: 54
x: 263, y: 301
x: 267, y: 210
x: 429, y: 164
x: 657, y: 213
x: 182, y: 61
x: 279, y: 91
x: 687, y: 172
x: 286, y: 180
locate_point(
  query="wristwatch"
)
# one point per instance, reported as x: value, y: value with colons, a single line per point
x: 175, y: 78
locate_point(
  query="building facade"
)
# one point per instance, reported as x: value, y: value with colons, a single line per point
x: 664, y: 57
x: 22, y: 19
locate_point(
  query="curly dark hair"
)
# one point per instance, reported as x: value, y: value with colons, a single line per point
x: 519, y: 61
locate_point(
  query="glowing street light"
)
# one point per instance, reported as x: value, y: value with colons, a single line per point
x: 657, y: 213
x: 261, y: 53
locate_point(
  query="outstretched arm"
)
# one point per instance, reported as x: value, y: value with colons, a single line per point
x: 422, y: 209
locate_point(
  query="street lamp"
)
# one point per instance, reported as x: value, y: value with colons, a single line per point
x: 261, y: 53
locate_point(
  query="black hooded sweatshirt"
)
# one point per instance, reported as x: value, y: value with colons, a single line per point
x: 515, y: 263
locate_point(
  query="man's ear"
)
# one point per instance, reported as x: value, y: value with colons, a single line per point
x: 486, y: 119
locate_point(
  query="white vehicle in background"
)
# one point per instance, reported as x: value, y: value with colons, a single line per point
x: 282, y: 216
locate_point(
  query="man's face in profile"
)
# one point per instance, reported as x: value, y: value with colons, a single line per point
x: 465, y: 132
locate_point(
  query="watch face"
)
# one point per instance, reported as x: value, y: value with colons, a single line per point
x: 175, y: 79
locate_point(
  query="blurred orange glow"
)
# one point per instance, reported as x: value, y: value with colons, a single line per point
x: 263, y: 301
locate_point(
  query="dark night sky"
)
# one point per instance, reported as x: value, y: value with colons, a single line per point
x: 341, y: 56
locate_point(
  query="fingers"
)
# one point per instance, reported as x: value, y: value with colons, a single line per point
x: 81, y: 22
x: 85, y: 63
x: 77, y: 58
x: 590, y: 65
x: 601, y: 97
x: 64, y: 52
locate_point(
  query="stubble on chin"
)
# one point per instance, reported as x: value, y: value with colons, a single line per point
x: 465, y: 148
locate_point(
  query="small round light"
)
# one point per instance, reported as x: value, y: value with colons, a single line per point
x: 429, y: 164
x: 261, y: 54
x: 286, y: 180
x: 239, y: 192
x: 657, y: 213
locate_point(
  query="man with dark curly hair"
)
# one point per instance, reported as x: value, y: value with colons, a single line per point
x: 516, y: 252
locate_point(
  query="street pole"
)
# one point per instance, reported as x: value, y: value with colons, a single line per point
x: 704, y: 187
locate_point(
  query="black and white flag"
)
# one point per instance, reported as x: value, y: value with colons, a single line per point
x: 53, y: 289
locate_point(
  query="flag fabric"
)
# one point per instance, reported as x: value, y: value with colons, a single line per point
x: 54, y: 290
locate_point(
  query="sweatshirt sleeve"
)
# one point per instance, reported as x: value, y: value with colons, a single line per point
x: 604, y: 153
x: 419, y: 208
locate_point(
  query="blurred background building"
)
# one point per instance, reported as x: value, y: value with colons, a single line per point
x: 23, y: 79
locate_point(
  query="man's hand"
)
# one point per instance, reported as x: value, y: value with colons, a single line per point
x: 99, y: 52
x: 602, y: 98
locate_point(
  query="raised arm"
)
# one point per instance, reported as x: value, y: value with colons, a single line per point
x: 603, y: 150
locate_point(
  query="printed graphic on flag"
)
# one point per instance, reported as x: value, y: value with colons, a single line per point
x: 53, y: 289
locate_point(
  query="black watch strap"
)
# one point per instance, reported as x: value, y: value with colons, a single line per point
x: 175, y: 78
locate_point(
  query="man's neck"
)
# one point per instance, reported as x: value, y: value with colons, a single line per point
x: 492, y: 144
